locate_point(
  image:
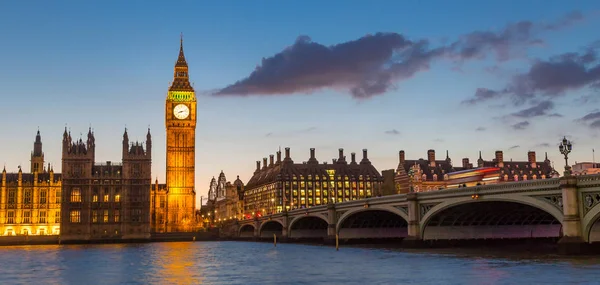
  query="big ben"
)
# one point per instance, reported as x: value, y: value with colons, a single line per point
x: 180, y: 122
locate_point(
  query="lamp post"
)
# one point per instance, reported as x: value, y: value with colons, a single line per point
x: 565, y: 148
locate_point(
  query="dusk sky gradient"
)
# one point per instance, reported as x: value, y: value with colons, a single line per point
x: 462, y: 76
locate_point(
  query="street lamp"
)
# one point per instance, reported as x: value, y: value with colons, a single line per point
x: 565, y: 148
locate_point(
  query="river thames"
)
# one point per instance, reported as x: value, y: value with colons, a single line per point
x: 262, y: 263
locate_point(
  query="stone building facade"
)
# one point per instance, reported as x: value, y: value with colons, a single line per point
x: 431, y: 174
x: 225, y: 199
x: 105, y: 201
x: 30, y: 202
x: 284, y: 185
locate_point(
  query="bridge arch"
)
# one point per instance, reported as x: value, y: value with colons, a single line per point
x: 373, y: 222
x: 591, y: 225
x: 246, y: 231
x: 308, y: 227
x: 269, y: 228
x: 495, y: 217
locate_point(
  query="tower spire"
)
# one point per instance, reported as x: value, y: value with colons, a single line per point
x: 181, y: 81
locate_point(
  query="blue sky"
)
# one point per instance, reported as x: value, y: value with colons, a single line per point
x: 108, y: 64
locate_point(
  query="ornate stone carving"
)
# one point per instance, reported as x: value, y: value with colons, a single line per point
x: 424, y: 208
x: 590, y: 200
x: 404, y: 209
x: 555, y: 200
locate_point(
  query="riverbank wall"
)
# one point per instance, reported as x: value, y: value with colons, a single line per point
x: 210, y: 235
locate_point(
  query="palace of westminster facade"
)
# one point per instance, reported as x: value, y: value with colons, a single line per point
x: 93, y: 200
x: 90, y: 200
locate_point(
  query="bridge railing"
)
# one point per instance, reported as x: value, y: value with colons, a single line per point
x: 530, y: 185
x: 586, y: 181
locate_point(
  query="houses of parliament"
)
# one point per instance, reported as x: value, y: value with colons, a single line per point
x: 93, y: 200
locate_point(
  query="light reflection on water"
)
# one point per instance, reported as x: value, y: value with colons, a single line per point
x: 261, y: 263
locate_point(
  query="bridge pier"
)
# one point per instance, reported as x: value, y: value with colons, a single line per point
x: 331, y: 225
x: 256, y: 229
x: 414, y: 238
x: 572, y: 241
x: 285, y: 230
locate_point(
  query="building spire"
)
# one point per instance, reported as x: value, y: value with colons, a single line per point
x: 181, y: 80
x: 181, y: 59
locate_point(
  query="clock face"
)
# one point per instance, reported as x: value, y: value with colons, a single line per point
x: 181, y: 111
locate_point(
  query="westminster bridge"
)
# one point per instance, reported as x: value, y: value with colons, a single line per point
x: 567, y: 208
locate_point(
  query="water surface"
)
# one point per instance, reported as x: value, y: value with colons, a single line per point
x: 262, y: 263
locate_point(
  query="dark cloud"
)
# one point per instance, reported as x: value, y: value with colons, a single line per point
x: 541, y: 109
x: 592, y: 120
x: 549, y: 78
x: 480, y: 129
x: 508, y: 42
x: 514, y: 146
x: 392, y: 132
x: 543, y: 145
x: 520, y: 125
x: 366, y: 67
x: 373, y: 64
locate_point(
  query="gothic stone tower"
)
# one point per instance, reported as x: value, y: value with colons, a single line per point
x: 37, y: 156
x: 180, y: 121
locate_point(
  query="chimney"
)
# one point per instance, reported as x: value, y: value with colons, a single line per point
x: 278, y: 156
x: 312, y: 153
x: 258, y: 165
x: 341, y: 153
x: 401, y: 157
x: 353, y: 156
x: 465, y: 163
x: 365, y: 158
x: 500, y: 158
x: 271, y: 159
x: 531, y: 158
x: 287, y: 152
x: 264, y: 162
x: 431, y: 157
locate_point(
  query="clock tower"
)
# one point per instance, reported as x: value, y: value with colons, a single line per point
x: 180, y: 122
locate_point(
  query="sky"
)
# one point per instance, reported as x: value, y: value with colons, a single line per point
x: 463, y: 76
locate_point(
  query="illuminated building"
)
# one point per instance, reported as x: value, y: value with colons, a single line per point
x: 586, y: 168
x: 30, y: 202
x: 105, y: 201
x: 225, y: 199
x: 180, y: 122
x: 431, y: 174
x: 285, y: 185
x: 158, y: 208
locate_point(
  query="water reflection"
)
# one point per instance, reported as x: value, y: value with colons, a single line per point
x: 261, y: 263
x: 175, y: 263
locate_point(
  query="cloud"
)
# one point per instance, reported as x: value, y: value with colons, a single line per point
x: 513, y: 147
x: 392, y: 132
x: 541, y: 109
x: 549, y: 78
x: 478, y: 44
x: 374, y: 64
x: 543, y: 145
x: 480, y: 129
x: 438, y: 140
x: 520, y: 125
x: 592, y: 119
x: 365, y: 67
